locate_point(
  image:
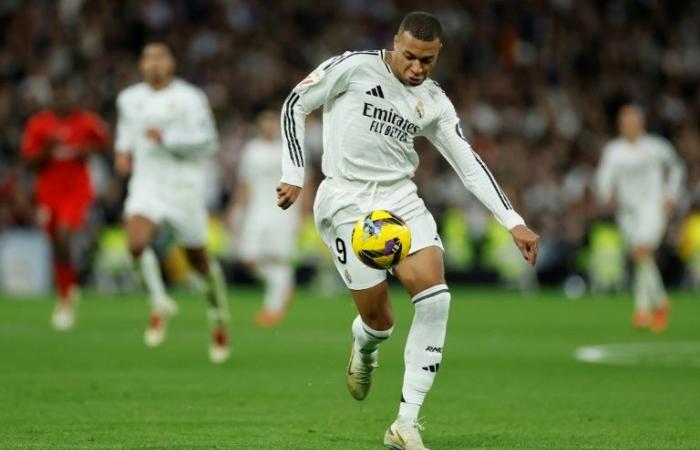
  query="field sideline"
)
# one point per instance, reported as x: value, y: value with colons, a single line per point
x: 508, y: 380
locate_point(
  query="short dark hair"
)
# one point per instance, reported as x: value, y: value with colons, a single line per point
x: 422, y: 26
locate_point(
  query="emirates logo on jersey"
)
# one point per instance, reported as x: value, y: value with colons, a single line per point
x: 420, y: 109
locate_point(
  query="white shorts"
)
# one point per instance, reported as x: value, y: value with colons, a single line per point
x: 268, y: 234
x: 340, y: 203
x: 187, y: 218
x: 642, y: 226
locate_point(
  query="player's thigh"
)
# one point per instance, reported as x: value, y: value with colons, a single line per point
x: 424, y: 266
x: 421, y: 270
x: 140, y: 231
x: 72, y: 213
x: 268, y: 237
x: 189, y: 222
x: 643, y: 228
x: 142, y: 216
x: 250, y: 238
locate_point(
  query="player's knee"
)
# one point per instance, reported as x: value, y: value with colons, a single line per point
x: 378, y: 320
x: 641, y: 253
x: 198, y: 260
x: 137, y: 248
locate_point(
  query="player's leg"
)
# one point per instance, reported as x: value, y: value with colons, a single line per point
x: 275, y: 242
x: 218, y: 314
x: 368, y: 287
x: 641, y: 288
x: 375, y: 322
x: 422, y: 275
x: 63, y: 317
x: 277, y: 274
x: 140, y: 231
x: 372, y: 326
x: 66, y: 218
x: 648, y: 280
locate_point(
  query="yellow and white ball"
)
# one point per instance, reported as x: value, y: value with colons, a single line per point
x: 381, y: 239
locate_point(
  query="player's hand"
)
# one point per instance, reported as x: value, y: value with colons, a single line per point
x: 287, y: 194
x: 526, y: 240
x: 122, y: 164
x: 155, y: 135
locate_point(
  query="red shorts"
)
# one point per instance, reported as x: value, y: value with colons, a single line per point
x: 66, y: 212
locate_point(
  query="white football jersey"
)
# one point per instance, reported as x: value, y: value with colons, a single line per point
x: 182, y: 114
x: 639, y: 174
x: 370, y: 120
x: 259, y: 169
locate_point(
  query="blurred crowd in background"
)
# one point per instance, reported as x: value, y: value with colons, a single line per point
x: 537, y: 85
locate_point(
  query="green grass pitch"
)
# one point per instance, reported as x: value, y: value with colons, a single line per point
x: 508, y: 378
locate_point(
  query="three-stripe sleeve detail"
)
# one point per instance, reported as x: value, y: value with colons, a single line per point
x: 290, y: 132
x: 501, y: 195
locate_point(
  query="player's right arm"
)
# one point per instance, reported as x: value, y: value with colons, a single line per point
x: 324, y: 84
x: 125, y: 140
x: 605, y: 177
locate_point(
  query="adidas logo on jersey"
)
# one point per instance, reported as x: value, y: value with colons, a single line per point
x: 376, y: 91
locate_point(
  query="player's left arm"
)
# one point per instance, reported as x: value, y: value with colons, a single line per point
x: 675, y: 176
x: 97, y: 134
x: 447, y: 136
x: 194, y: 134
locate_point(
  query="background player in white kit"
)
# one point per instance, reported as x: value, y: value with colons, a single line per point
x: 641, y: 176
x: 164, y: 133
x: 265, y: 235
x: 374, y: 104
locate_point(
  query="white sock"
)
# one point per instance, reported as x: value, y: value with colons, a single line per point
x: 423, y: 352
x: 148, y: 264
x: 366, y: 339
x: 655, y: 283
x: 279, y: 282
x: 216, y: 294
x: 642, y: 296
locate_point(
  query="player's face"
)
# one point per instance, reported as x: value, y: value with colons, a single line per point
x: 413, y: 59
x: 157, y: 64
x: 631, y: 122
x: 61, y: 101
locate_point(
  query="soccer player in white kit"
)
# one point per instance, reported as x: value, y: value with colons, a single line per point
x: 641, y: 176
x: 165, y: 131
x: 266, y: 235
x: 374, y: 104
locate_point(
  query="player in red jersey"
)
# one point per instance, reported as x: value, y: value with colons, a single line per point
x: 56, y: 144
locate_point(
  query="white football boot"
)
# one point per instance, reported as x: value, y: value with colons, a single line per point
x: 359, y: 373
x: 219, y: 349
x: 404, y: 434
x: 64, y: 312
x: 157, y: 328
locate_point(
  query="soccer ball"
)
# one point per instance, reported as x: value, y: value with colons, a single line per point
x: 381, y: 239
